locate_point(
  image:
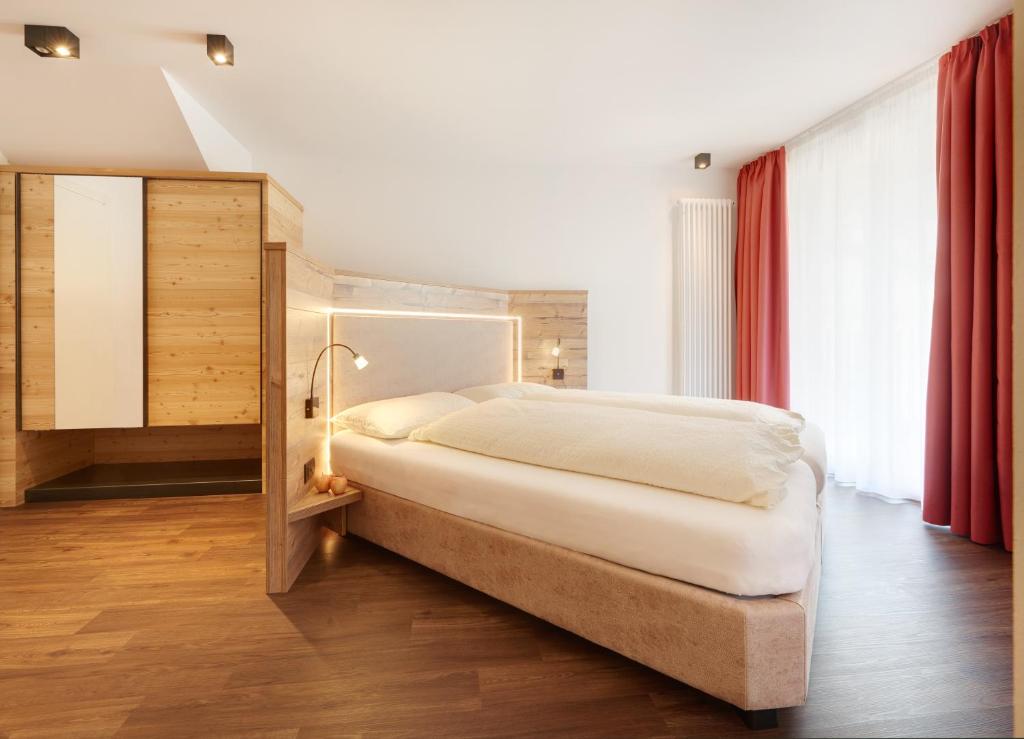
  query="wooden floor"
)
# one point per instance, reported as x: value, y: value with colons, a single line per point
x: 146, y: 618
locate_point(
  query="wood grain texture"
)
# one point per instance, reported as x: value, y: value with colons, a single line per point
x: 37, y: 303
x: 177, y: 443
x: 45, y: 455
x: 8, y: 344
x: 380, y: 293
x: 275, y: 412
x: 282, y: 216
x: 203, y: 281
x: 309, y: 288
x: 547, y: 317
x: 316, y: 503
x: 166, y: 174
x: 149, y: 620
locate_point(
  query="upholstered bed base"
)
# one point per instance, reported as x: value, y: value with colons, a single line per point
x: 752, y: 652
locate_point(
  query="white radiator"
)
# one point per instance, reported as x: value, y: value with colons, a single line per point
x: 704, y: 305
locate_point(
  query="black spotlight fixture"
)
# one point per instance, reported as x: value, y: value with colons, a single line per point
x: 702, y: 161
x: 220, y: 50
x: 54, y: 42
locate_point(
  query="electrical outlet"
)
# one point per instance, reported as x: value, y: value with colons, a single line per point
x: 308, y: 469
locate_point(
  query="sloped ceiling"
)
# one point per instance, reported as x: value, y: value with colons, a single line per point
x: 102, y: 114
x: 519, y: 81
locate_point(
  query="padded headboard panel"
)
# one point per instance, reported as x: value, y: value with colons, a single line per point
x: 411, y: 354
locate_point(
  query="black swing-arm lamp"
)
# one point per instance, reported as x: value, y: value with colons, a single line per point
x: 312, y: 402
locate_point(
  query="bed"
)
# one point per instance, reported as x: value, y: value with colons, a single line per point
x: 718, y: 595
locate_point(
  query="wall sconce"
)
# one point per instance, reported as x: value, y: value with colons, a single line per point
x: 313, y: 402
x: 220, y: 50
x: 558, y: 373
x: 702, y: 161
x: 54, y: 42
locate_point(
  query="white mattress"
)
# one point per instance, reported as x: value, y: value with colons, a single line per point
x: 734, y: 548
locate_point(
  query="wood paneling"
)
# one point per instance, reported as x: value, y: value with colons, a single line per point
x: 282, y: 216
x: 547, y: 317
x: 166, y: 174
x: 45, y: 455
x: 145, y: 618
x: 177, y: 443
x: 203, y: 276
x: 275, y: 411
x: 297, y: 295
x: 36, y: 300
x: 309, y: 297
x: 8, y: 343
x: 364, y: 291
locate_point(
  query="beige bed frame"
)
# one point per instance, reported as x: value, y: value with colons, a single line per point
x: 754, y: 653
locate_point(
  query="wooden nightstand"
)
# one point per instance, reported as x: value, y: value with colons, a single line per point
x: 316, y: 503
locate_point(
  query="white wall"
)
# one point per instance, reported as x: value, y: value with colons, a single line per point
x: 604, y: 229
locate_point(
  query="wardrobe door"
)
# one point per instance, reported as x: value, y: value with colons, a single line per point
x: 203, y: 302
x: 81, y: 307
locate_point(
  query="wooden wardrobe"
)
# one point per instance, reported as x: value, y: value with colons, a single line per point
x: 158, y: 356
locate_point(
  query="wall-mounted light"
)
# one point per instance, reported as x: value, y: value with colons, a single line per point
x: 558, y: 373
x: 313, y: 402
x: 220, y: 50
x: 702, y: 161
x: 54, y: 42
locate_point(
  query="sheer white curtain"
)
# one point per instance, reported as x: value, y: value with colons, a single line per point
x: 862, y: 223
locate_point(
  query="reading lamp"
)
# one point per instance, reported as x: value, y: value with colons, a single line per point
x: 312, y: 403
x: 557, y: 373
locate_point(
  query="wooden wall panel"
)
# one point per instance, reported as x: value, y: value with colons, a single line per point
x: 364, y: 291
x: 309, y: 293
x: 547, y: 317
x: 8, y: 344
x: 275, y: 411
x: 177, y: 443
x: 203, y: 276
x: 44, y: 455
x: 37, y: 332
x: 298, y: 294
x: 282, y: 216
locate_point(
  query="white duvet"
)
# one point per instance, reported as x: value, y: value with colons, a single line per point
x: 738, y: 461
x: 811, y: 437
x: 734, y: 410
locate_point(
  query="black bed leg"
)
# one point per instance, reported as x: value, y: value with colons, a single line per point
x: 767, y: 718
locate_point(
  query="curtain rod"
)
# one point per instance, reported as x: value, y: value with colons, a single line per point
x: 860, y: 103
x: 884, y: 89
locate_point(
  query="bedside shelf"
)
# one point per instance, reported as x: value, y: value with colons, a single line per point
x: 315, y: 503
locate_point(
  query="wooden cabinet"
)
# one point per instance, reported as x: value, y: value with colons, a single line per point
x: 203, y: 302
x: 36, y: 301
x: 199, y: 327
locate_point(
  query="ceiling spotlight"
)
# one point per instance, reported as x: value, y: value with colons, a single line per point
x: 220, y: 50
x: 702, y: 161
x: 52, y: 41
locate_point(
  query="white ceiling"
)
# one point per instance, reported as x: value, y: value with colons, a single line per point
x: 639, y: 82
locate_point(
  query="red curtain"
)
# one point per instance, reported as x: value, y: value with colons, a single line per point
x: 762, y: 282
x: 967, y: 482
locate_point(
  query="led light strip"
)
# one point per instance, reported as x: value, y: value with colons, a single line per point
x: 431, y: 314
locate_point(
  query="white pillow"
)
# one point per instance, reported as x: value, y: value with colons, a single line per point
x: 513, y: 390
x: 395, y: 418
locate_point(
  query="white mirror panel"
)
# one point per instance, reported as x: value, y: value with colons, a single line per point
x: 98, y: 287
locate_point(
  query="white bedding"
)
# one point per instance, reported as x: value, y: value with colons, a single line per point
x: 738, y: 461
x: 733, y: 548
x: 812, y: 438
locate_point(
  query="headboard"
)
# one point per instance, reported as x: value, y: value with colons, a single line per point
x: 416, y: 352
